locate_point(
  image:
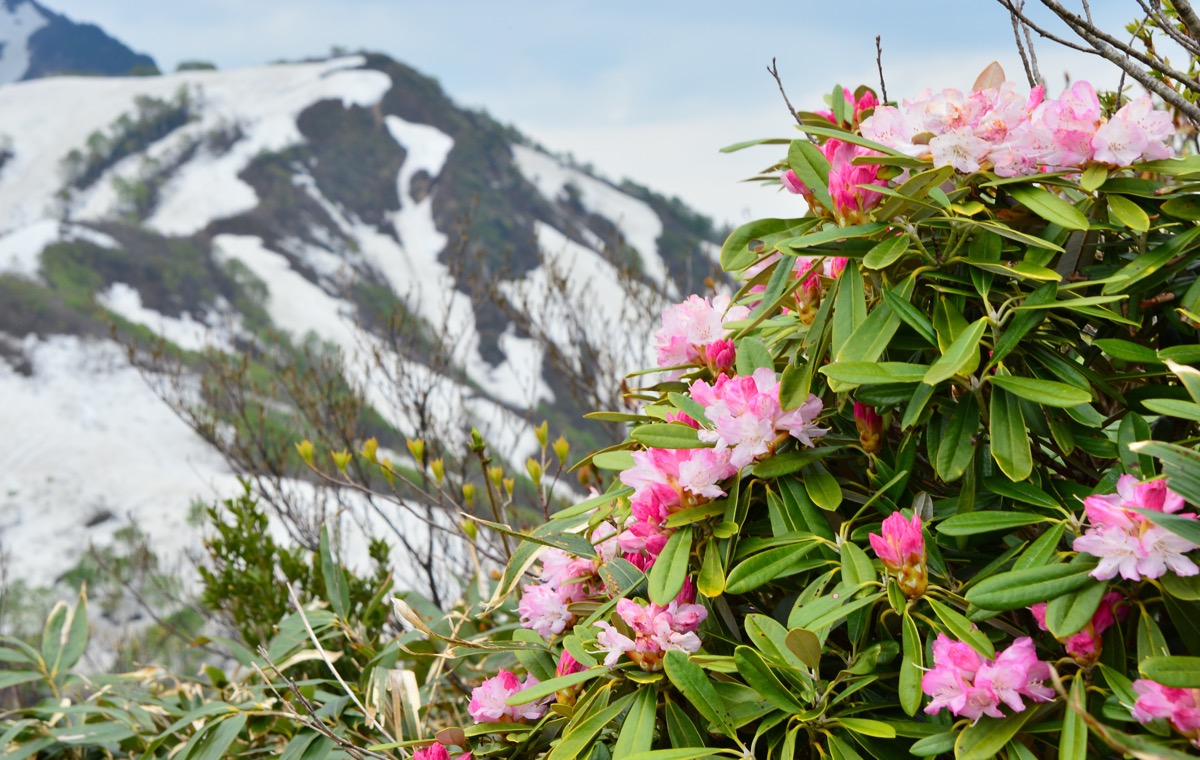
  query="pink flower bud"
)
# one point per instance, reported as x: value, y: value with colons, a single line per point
x: 870, y: 427
x: 902, y: 549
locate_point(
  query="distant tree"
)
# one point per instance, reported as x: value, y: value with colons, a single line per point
x: 195, y: 66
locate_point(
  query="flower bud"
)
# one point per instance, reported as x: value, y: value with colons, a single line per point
x: 417, y: 449
x: 562, y: 449
x: 439, y: 470
x: 305, y: 450
x: 870, y: 427
x: 370, y: 449
x: 534, y: 468
x: 468, y: 492
x: 902, y: 550
x: 341, y: 459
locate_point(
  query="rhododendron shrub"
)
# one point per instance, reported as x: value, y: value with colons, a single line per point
x: 924, y: 484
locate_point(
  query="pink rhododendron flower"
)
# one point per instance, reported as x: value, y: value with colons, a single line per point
x: 690, y: 327
x: 1136, y: 132
x: 1085, y: 644
x: 901, y: 547
x: 437, y: 752
x: 746, y: 415
x: 1179, y: 706
x: 489, y: 698
x: 1126, y: 542
x: 563, y: 580
x: 656, y: 630
x: 970, y: 686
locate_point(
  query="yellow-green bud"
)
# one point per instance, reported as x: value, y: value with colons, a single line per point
x: 341, y: 459
x: 476, y: 440
x: 370, y: 447
x: 388, y: 472
x: 417, y: 449
x: 509, y: 485
x: 305, y: 450
x: 439, y: 469
x: 561, y: 449
x: 496, y: 474
x: 469, y: 493
x: 543, y: 433
x: 534, y: 468
x: 470, y: 529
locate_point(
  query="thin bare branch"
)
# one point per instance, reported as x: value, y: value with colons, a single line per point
x: 879, y: 65
x: 1041, y: 31
x: 1017, y: 26
x: 773, y: 69
x: 1164, y: 23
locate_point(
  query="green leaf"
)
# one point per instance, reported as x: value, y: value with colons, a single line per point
x: 822, y: 487
x: 1189, y: 376
x: 1183, y: 207
x: 1184, y: 410
x: 621, y: 577
x: 1069, y: 613
x: 828, y: 611
x: 886, y: 253
x: 613, y: 460
x: 1016, y: 589
x: 337, y: 590
x: 811, y: 168
x: 853, y: 374
x: 1150, y: 262
x: 711, y: 580
x: 580, y: 734
x: 1044, y: 392
x: 910, y: 315
x: 14, y: 677
x: 667, y: 435
x: 866, y: 727
x: 1023, y: 492
x: 681, y: 753
x: 911, y: 666
x: 872, y: 337
x: 831, y: 234
x: 213, y: 741
x: 1074, y: 739
x: 805, y: 645
x: 957, y: 448
x: 1009, y: 436
x: 1177, y: 671
x: 1093, y: 177
x: 1187, y: 589
x: 759, y: 676
x: 767, y: 566
x: 857, y: 567
x: 546, y: 688
x: 1123, y: 211
x: 751, y: 354
x: 984, y: 739
x: 935, y: 744
x: 669, y: 571
x: 637, y: 730
x: 1049, y: 206
x: 1128, y: 351
x: 690, y: 407
x: 76, y: 629
x: 691, y: 680
x: 974, y: 523
x: 742, y: 247
x: 961, y: 628
x: 961, y: 356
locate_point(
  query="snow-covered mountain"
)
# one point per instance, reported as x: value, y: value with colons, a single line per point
x: 37, y: 42
x: 215, y: 208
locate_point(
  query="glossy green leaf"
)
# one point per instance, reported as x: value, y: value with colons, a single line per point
x: 669, y: 571
x: 691, y: 680
x: 1009, y: 437
x: 744, y: 244
x: 637, y: 730
x: 962, y: 629
x: 811, y: 168
x: 1181, y: 466
x: 584, y: 729
x: 1049, y: 206
x: 974, y: 523
x: 667, y: 435
x: 867, y: 727
x: 758, y: 675
x: 546, y: 688
x: 1016, y: 589
x: 1123, y: 211
x: 1177, y: 671
x: 1150, y: 262
x: 886, y: 253
x: 911, y: 666
x: 751, y: 354
x: 1044, y: 392
x: 984, y: 739
x: 613, y: 460
x: 711, y: 580
x: 853, y: 374
x: 1074, y: 739
x: 1184, y: 410
x: 1023, y: 322
x: 960, y: 356
x: 957, y: 448
x: 1069, y: 613
x: 822, y: 487
x: 767, y: 566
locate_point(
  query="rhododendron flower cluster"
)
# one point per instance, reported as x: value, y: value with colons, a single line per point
x: 656, y: 630
x: 1179, y: 706
x: 970, y: 686
x: 437, y: 752
x: 693, y: 332
x: 849, y: 184
x: 489, y: 700
x: 1016, y: 134
x: 1084, y: 645
x: 1129, y: 544
x: 901, y: 547
x: 664, y: 482
x: 747, y: 417
x: 564, y: 580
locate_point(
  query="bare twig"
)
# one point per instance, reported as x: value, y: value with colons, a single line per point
x: 879, y: 65
x: 1017, y: 26
x: 773, y: 69
x: 1164, y: 23
x: 1188, y: 16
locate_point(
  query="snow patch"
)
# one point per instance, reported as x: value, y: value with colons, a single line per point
x: 184, y: 331
x: 21, y: 249
x: 638, y: 223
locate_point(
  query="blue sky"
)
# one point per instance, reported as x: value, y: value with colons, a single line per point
x: 649, y: 90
